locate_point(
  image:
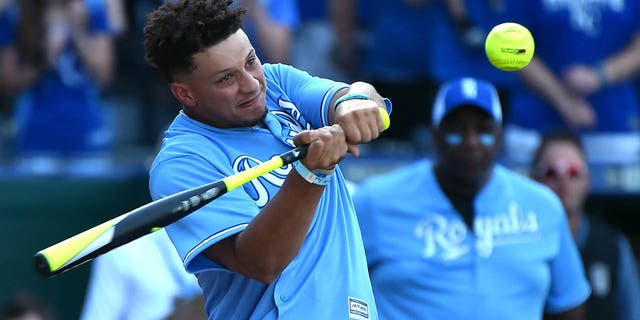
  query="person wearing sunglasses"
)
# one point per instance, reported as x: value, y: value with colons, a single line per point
x: 463, y: 237
x: 561, y: 164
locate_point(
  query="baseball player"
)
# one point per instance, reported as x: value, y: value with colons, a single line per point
x: 286, y: 245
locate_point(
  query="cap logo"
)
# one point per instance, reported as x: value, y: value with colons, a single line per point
x: 469, y: 88
x: 466, y: 91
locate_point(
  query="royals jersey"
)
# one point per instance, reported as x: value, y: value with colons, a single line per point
x: 425, y: 263
x: 328, y: 278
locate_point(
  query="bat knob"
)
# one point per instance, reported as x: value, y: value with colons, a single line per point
x: 42, y: 265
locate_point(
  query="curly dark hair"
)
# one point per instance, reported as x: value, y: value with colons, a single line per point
x: 177, y: 30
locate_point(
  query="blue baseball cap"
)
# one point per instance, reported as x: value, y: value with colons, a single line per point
x: 466, y: 92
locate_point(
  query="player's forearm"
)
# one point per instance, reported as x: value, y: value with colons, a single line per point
x: 272, y: 240
x: 355, y: 88
x: 368, y: 90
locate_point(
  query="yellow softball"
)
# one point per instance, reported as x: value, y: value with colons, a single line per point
x: 509, y: 46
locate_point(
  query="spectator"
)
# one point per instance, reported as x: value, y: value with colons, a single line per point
x: 408, y: 66
x: 587, y: 54
x: 55, y: 56
x: 24, y: 305
x: 143, y: 280
x: 392, y: 53
x: 154, y: 106
x: 457, y: 34
x: 464, y: 237
x: 313, y: 41
x: 271, y: 25
x: 458, y: 31
x: 609, y: 262
x: 267, y: 248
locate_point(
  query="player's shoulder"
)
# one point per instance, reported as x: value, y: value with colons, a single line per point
x: 279, y: 72
x: 186, y: 133
x: 273, y: 69
x: 186, y: 142
x: 180, y: 144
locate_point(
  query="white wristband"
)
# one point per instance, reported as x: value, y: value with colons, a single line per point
x: 313, y: 176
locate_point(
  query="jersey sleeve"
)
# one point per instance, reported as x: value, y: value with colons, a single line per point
x: 569, y: 286
x: 312, y: 95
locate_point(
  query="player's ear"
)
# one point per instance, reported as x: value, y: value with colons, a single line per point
x: 182, y: 93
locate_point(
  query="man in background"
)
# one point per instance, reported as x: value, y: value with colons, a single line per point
x: 560, y: 163
x: 464, y: 237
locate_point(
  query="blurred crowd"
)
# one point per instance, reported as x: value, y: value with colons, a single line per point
x: 77, y: 96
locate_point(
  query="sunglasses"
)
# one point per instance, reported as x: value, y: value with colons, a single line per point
x: 570, y: 170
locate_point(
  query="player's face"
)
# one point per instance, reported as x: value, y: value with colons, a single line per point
x: 563, y: 169
x: 468, y: 141
x: 227, y: 87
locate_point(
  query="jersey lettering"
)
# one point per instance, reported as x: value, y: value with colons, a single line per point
x: 450, y: 238
x: 259, y: 185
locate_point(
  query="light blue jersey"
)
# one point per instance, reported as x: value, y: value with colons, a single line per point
x: 425, y: 263
x: 328, y: 279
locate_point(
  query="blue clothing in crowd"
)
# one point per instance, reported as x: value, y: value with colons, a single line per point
x: 398, y: 41
x: 569, y: 32
x: 450, y: 57
x: 62, y: 111
x: 282, y: 12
